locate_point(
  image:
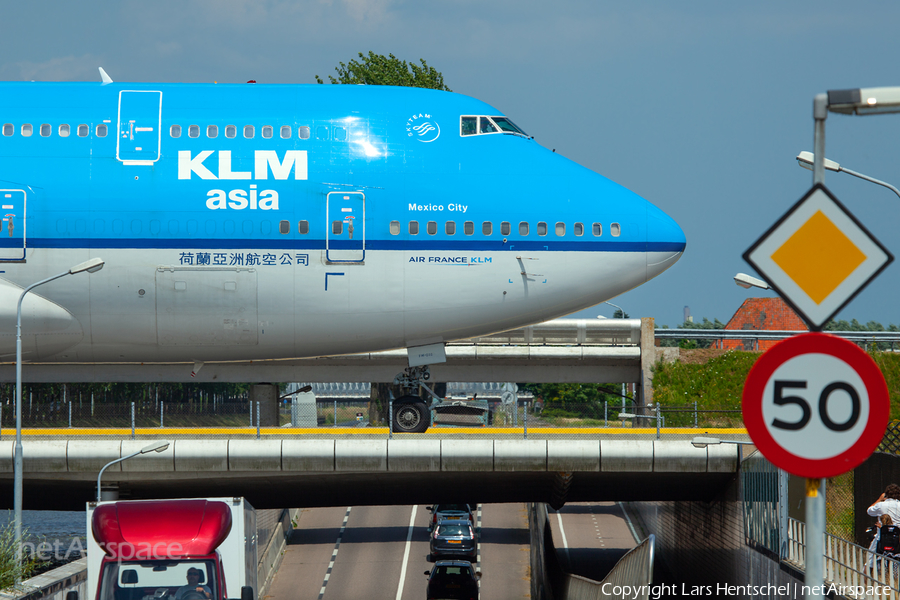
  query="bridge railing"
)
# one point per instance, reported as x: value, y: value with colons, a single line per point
x: 853, y: 570
x: 634, y: 571
x: 360, y: 418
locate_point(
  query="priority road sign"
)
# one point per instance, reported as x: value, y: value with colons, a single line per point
x: 818, y: 256
x: 815, y: 405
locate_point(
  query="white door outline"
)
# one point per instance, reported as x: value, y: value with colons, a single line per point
x: 12, y: 221
x: 350, y: 209
x: 138, y: 132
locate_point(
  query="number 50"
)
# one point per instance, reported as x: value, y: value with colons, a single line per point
x: 782, y: 400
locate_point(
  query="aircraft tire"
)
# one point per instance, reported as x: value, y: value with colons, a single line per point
x: 410, y: 415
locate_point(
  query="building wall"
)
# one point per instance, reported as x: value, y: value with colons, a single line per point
x: 702, y: 546
x: 762, y: 314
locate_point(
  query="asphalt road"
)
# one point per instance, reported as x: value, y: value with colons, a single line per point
x: 592, y: 538
x: 379, y: 552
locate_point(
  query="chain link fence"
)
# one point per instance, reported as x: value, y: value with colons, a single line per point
x: 360, y: 417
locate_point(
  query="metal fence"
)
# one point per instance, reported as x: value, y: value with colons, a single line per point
x: 764, y: 495
x: 631, y: 577
x: 856, y: 572
x: 360, y: 417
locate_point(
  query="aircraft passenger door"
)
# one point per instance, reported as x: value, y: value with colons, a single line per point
x: 12, y: 225
x: 140, y: 119
x: 345, y: 238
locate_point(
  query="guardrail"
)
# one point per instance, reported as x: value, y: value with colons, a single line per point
x: 749, y: 334
x: 853, y: 571
x: 630, y: 579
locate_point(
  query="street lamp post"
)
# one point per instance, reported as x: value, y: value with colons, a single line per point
x: 857, y: 101
x: 154, y: 447
x: 622, y: 310
x: 91, y: 266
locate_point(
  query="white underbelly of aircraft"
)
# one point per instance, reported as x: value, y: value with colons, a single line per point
x: 50, y: 328
x: 169, y: 311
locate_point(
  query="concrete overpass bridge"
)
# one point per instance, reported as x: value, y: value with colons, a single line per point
x: 564, y: 350
x: 62, y: 473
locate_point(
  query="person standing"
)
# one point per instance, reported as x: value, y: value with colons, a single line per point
x: 888, y: 503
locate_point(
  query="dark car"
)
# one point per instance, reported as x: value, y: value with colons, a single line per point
x: 450, y: 511
x: 453, y: 538
x: 453, y: 580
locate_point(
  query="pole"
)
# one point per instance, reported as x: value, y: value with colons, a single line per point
x: 390, y: 418
x: 161, y: 413
x: 814, y: 578
x: 657, y: 420
x: 335, y: 414
x: 132, y: 420
x: 19, y: 462
x: 695, y: 413
x: 820, y: 113
x: 257, y: 419
x: 815, y: 501
x: 70, y: 415
x: 525, y: 421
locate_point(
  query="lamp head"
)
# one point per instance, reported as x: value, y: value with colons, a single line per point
x: 746, y: 281
x: 91, y: 266
x: 806, y: 159
x: 864, y: 101
x: 155, y: 447
x: 703, y: 442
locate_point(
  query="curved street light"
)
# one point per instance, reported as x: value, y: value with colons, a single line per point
x: 807, y: 160
x: 91, y: 266
x: 154, y: 447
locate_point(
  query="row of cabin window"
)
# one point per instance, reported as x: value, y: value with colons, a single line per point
x: 46, y: 130
x: 249, y: 132
x: 487, y: 228
x: 212, y: 131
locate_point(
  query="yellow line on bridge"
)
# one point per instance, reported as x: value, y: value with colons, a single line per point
x: 367, y: 431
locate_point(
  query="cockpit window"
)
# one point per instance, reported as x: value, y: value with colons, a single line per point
x: 507, y: 126
x: 485, y: 125
x: 480, y: 125
x: 467, y: 125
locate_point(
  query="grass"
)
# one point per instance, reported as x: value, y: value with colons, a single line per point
x: 9, y: 570
x: 719, y: 382
x: 716, y: 384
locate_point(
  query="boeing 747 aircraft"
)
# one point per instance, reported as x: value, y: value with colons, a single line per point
x: 246, y: 222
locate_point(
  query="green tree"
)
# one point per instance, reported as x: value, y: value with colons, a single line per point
x: 691, y: 344
x: 583, y: 400
x: 377, y: 69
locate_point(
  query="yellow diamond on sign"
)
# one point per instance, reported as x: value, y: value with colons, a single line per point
x: 818, y: 257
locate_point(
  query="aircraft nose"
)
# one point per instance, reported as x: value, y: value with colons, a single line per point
x: 665, y: 242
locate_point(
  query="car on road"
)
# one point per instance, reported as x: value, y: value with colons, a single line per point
x: 454, y: 538
x: 453, y: 580
x: 450, y: 511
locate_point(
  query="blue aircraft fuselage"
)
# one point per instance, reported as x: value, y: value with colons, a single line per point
x: 270, y: 221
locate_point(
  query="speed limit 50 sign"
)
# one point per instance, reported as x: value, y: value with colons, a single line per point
x: 815, y: 405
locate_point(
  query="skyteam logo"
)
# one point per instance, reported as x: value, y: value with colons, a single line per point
x: 423, y: 128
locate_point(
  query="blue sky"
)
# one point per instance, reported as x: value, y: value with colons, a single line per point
x: 700, y: 107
